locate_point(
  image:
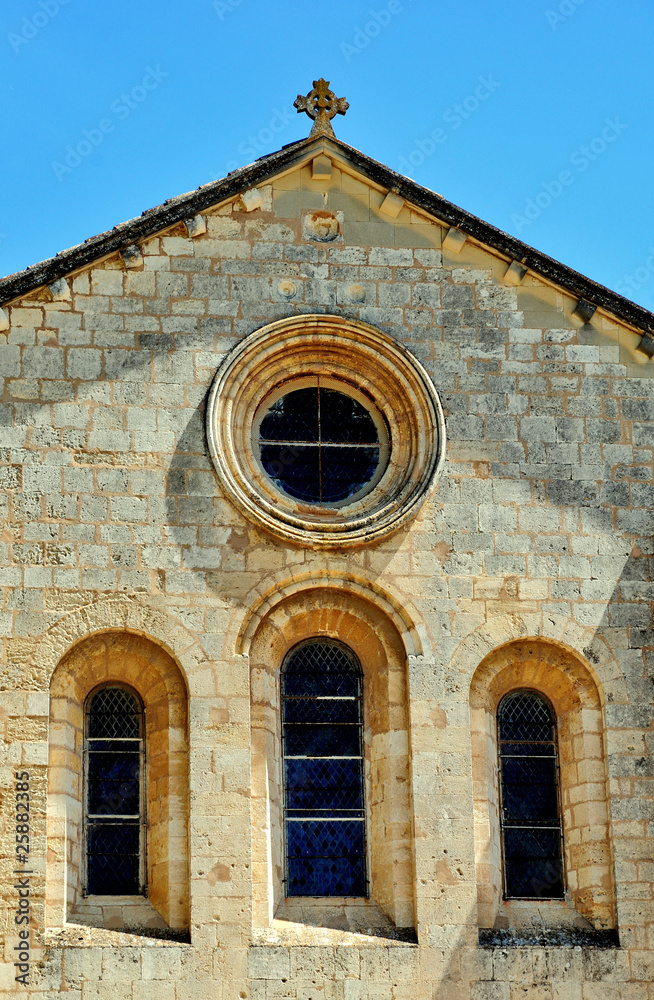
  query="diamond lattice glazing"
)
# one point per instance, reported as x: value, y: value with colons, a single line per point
x: 531, y: 825
x: 323, y: 777
x: 114, y: 752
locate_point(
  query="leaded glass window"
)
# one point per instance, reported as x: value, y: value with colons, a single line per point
x: 530, y: 813
x: 321, y: 445
x: 114, y: 813
x: 323, y: 771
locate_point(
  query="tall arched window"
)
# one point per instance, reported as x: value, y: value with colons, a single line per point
x: 323, y: 771
x: 529, y: 804
x: 114, y: 799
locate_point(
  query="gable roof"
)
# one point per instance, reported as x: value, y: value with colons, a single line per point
x: 176, y: 210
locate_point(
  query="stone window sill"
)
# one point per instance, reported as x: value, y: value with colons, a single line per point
x: 543, y: 923
x: 115, y: 920
x: 83, y: 936
x: 559, y: 937
x: 332, y: 921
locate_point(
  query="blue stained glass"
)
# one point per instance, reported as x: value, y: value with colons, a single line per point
x: 325, y: 839
x: 113, y: 765
x: 111, y: 797
x: 321, y: 683
x: 533, y: 864
x: 113, y: 859
x: 114, y: 712
x: 326, y: 877
x: 345, y: 471
x: 523, y: 716
x: 324, y: 805
x: 526, y: 749
x: 320, y: 669
x: 294, y: 468
x: 531, y: 826
x: 294, y: 417
x: 321, y: 710
x: 114, y: 746
x: 325, y: 785
x: 319, y: 445
x: 529, y: 789
x: 320, y: 740
x: 344, y: 419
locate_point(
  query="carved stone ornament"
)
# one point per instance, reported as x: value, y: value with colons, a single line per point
x: 322, y: 105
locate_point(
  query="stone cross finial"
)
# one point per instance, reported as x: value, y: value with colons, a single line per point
x: 321, y: 104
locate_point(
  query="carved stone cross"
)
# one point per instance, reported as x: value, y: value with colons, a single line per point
x: 321, y: 104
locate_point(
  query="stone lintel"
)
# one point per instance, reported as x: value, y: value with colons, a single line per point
x: 131, y: 256
x: 392, y: 205
x: 454, y: 240
x: 59, y: 290
x: 514, y: 274
x: 196, y: 225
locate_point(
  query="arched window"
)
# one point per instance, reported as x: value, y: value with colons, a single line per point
x: 114, y: 799
x: 323, y: 771
x: 529, y: 804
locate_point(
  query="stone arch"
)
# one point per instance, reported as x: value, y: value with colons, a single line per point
x: 558, y: 671
x: 365, y: 628
x: 593, y: 650
x: 400, y: 612
x: 106, y: 656
x: 121, y: 615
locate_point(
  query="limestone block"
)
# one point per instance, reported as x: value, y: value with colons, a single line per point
x: 392, y: 205
x: 454, y: 240
x: 515, y: 273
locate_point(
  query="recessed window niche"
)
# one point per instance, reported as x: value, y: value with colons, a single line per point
x: 160, y: 899
x: 387, y: 909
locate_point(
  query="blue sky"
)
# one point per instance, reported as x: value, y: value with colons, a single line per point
x: 533, y: 114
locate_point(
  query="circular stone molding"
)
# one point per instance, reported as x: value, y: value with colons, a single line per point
x: 367, y: 363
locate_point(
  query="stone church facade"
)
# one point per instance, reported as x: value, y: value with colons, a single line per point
x: 486, y: 544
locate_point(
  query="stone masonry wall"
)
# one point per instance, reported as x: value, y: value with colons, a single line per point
x: 539, y: 529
